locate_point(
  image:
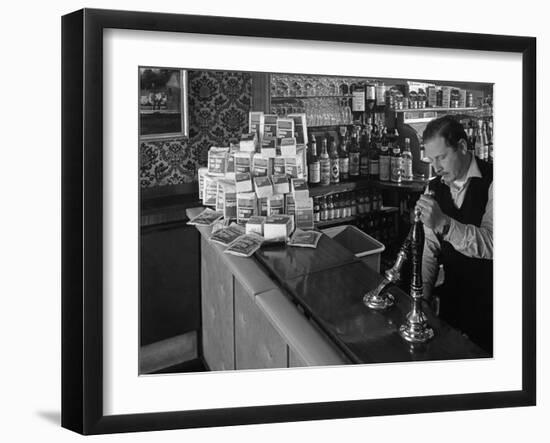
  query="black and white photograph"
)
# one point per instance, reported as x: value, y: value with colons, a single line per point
x: 395, y: 176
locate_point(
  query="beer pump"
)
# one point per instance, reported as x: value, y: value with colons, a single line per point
x: 416, y: 328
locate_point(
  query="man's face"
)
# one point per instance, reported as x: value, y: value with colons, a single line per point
x: 447, y: 162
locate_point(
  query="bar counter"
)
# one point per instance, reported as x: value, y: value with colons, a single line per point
x: 303, y: 307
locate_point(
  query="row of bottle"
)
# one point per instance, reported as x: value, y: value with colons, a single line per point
x: 366, y: 153
x: 382, y: 227
x: 346, y: 204
x: 480, y: 138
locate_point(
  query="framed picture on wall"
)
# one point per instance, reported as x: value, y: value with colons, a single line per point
x: 102, y: 390
x: 162, y: 103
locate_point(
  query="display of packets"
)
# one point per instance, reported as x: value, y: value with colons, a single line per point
x: 248, y: 142
x: 288, y: 147
x: 228, y: 234
x: 256, y: 124
x: 206, y: 218
x: 280, y: 184
x: 217, y: 161
x: 285, y: 128
x: 279, y: 166
x: 243, y: 182
x: 243, y: 162
x: 269, y: 147
x: 210, y: 192
x: 263, y: 187
x: 278, y: 227
x: 270, y: 126
x: 300, y: 128
x: 304, y: 213
x: 246, y: 206
x: 299, y: 189
x: 276, y: 204
x: 301, y: 161
x: 260, y: 166
x: 304, y: 239
x: 255, y: 225
x: 245, y: 245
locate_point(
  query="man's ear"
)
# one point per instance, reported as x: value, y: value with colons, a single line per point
x: 463, y: 146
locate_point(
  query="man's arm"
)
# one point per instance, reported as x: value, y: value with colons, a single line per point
x: 471, y: 240
x: 430, y: 261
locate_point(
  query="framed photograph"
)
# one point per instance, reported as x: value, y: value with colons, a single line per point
x: 163, y: 115
x: 162, y: 102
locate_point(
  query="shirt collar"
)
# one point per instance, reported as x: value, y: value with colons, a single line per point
x: 473, y: 171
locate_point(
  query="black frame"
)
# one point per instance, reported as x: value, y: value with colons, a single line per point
x: 82, y: 231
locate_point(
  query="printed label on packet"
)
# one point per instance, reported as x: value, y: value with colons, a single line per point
x: 245, y: 245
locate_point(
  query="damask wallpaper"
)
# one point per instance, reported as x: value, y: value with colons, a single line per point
x: 218, y: 106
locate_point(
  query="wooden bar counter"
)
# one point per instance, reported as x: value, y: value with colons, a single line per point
x: 288, y: 307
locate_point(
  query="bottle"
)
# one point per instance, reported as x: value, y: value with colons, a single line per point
x: 407, y: 161
x: 367, y: 208
x: 354, y: 156
x: 314, y: 166
x: 384, y: 157
x: 490, y: 138
x: 323, y: 209
x: 358, y: 102
x: 316, y: 210
x: 353, y: 205
x: 343, y: 162
x: 374, y: 157
x: 485, y: 142
x: 364, y: 153
x: 334, y: 164
x: 478, y: 147
x: 370, y: 95
x: 330, y: 208
x: 346, y: 205
x: 336, y: 200
x: 324, y: 165
x: 396, y: 167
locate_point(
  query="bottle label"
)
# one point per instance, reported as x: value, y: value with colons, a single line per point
x: 325, y: 171
x: 314, y: 173
x: 396, y: 169
x: 364, y: 166
x: 374, y: 168
x: 354, y: 160
x: 344, y: 166
x: 358, y: 101
x: 384, y: 168
x: 407, y: 169
x: 334, y: 170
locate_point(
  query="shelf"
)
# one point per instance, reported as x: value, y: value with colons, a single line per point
x: 434, y: 109
x: 362, y: 183
x: 337, y: 221
x: 302, y: 97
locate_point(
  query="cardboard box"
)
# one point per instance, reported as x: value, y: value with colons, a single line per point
x: 263, y: 187
x: 278, y: 227
x: 300, y: 128
x: 217, y: 161
x: 202, y: 172
x: 269, y: 147
x: 304, y: 214
x: 285, y: 128
x: 288, y: 147
x: 280, y: 184
x: 262, y: 206
x: 227, y: 199
x: 260, y: 166
x: 279, y: 166
x: 276, y: 204
x: 248, y: 142
x: 246, y: 206
x: 256, y: 125
x: 299, y: 189
x: 255, y: 224
x: 270, y: 126
x: 210, y: 190
x: 243, y: 162
x: 243, y: 182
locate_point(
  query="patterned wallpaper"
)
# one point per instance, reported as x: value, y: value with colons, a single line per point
x: 218, y: 105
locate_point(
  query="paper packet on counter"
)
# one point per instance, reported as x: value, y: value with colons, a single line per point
x: 304, y: 239
x: 206, y: 218
x: 245, y: 245
x: 227, y: 235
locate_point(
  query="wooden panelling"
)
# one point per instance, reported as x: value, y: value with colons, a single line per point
x: 257, y: 342
x: 217, y: 310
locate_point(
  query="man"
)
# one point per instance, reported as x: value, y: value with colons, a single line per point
x: 458, y: 225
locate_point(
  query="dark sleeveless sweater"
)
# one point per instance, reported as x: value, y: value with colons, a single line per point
x: 467, y: 293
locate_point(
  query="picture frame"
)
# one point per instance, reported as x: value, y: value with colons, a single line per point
x: 163, y: 103
x: 83, y: 242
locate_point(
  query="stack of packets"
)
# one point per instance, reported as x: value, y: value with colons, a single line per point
x: 304, y: 239
x: 265, y: 174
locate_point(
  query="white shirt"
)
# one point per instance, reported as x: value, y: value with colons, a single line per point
x: 470, y: 240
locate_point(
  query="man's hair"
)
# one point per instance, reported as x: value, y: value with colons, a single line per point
x: 447, y: 127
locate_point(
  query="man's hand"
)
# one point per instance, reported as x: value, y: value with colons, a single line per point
x: 430, y: 213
